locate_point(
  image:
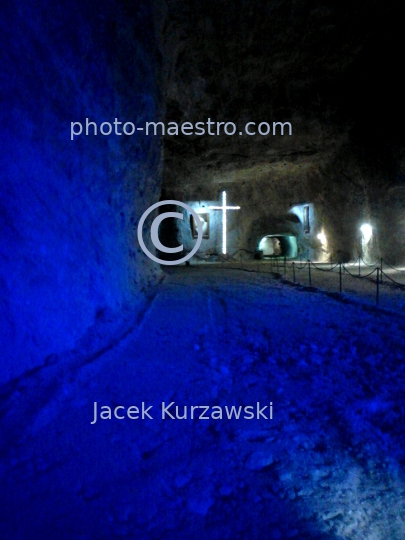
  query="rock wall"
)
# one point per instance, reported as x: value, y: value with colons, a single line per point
x: 68, y: 251
x: 342, y: 190
x: 331, y: 71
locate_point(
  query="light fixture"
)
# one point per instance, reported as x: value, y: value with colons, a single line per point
x: 367, y: 232
x: 224, y: 208
x: 322, y: 238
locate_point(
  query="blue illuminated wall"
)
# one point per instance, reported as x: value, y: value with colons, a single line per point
x: 68, y: 209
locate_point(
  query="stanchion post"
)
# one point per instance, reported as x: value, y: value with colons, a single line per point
x: 340, y: 278
x: 293, y: 267
x: 359, y: 265
x: 309, y: 273
x: 377, y: 291
x: 381, y: 269
x: 285, y: 265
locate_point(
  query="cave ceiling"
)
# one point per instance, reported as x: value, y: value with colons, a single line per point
x: 328, y: 68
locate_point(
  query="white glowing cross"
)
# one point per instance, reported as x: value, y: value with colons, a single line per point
x: 224, y: 208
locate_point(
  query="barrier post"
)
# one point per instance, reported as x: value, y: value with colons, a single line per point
x: 309, y: 273
x: 377, y: 292
x: 381, y: 268
x: 285, y: 265
x: 359, y: 266
x: 340, y: 278
x: 293, y: 267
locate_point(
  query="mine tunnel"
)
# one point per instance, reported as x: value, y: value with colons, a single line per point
x: 216, y: 399
x: 279, y: 245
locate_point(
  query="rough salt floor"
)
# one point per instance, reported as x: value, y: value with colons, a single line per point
x: 330, y: 465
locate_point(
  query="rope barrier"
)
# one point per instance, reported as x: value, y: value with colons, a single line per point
x: 370, y: 265
x: 360, y: 277
x: 301, y: 267
x: 278, y: 264
x: 324, y: 269
x: 355, y: 262
x: 393, y: 268
x: 401, y: 285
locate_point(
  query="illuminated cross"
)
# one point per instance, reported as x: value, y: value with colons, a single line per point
x: 224, y: 208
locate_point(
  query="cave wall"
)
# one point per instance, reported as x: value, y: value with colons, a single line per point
x: 263, y: 211
x: 342, y: 190
x: 68, y: 209
x: 392, y: 231
x: 331, y: 71
x: 212, y: 244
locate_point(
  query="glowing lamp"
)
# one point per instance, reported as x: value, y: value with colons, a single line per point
x: 367, y: 232
x: 224, y: 208
x: 321, y: 236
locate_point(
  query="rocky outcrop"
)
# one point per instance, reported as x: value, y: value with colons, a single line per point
x: 68, y: 209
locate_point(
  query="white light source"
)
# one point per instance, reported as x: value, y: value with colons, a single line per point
x: 322, y: 237
x: 367, y: 232
x: 224, y: 208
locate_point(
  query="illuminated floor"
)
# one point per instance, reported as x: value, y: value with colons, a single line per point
x: 328, y: 465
